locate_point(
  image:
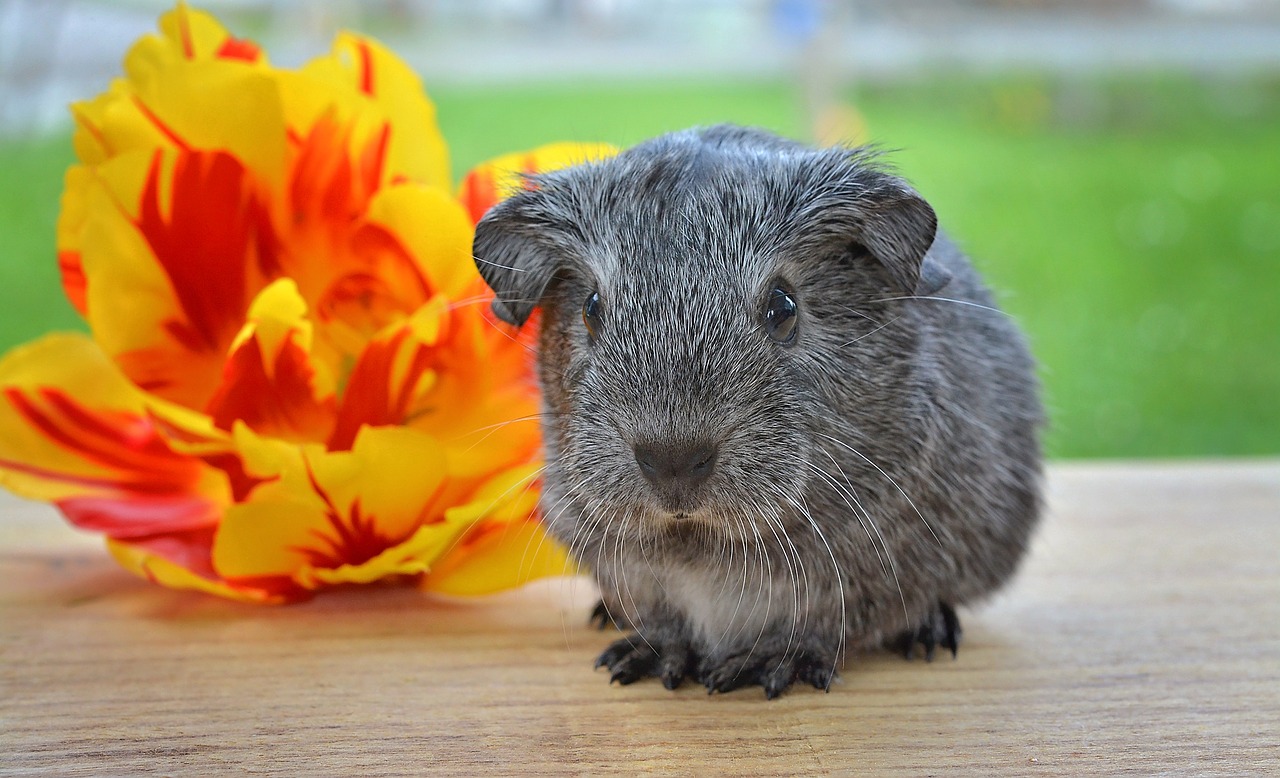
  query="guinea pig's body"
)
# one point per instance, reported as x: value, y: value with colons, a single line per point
x: 782, y: 421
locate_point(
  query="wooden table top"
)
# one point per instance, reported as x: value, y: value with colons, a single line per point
x: 1142, y: 637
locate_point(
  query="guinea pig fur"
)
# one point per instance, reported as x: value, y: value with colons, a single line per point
x: 784, y: 421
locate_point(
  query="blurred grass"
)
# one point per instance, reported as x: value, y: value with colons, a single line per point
x: 1132, y: 226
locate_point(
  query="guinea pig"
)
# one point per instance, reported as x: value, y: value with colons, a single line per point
x: 783, y: 420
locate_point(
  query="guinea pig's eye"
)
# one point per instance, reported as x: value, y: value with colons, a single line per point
x: 591, y: 315
x: 780, y: 315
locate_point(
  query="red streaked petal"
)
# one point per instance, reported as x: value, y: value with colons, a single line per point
x: 388, y: 377
x: 140, y: 516
x: 279, y: 402
x: 182, y: 561
x: 239, y: 48
x: 479, y: 192
x: 124, y: 447
x: 207, y: 243
x: 73, y: 280
x: 366, y: 75
x: 72, y: 426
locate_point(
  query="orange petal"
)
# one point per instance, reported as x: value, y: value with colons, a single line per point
x: 499, y: 178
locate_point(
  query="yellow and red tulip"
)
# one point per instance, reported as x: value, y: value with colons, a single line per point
x: 293, y: 379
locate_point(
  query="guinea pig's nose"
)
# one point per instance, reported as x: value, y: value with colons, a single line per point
x: 688, y: 463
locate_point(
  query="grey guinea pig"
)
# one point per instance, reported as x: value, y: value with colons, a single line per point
x: 783, y: 420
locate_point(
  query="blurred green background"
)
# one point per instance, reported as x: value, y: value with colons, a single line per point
x: 1130, y: 223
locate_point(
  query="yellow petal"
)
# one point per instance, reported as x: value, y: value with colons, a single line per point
x: 334, y: 510
x: 220, y: 105
x: 434, y: 230
x: 193, y: 98
x: 198, y: 35
x: 506, y: 547
x: 507, y: 557
x: 71, y: 425
x: 416, y: 149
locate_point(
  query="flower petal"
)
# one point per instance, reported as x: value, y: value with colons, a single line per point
x: 433, y: 231
x: 499, y: 178
x: 74, y: 430
x: 506, y: 547
x: 343, y: 512
x: 393, y: 371
x: 183, y: 85
x: 415, y: 149
x: 71, y: 220
x: 484, y: 404
x: 168, y: 288
x: 183, y: 563
x: 199, y: 35
x: 270, y: 381
x: 497, y: 557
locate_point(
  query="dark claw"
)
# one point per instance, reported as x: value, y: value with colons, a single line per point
x: 629, y: 674
x: 819, y: 676
x: 632, y: 659
x: 723, y: 680
x: 601, y: 618
x: 951, y: 629
x: 778, y: 681
x: 940, y: 628
x: 673, y: 667
x: 614, y: 653
x: 775, y: 674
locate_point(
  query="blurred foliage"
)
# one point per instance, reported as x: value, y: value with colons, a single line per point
x: 1131, y: 225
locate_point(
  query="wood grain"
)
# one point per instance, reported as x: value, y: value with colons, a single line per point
x: 1142, y: 638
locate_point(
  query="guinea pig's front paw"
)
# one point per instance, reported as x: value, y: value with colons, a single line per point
x: 633, y: 658
x: 773, y: 671
x: 940, y: 628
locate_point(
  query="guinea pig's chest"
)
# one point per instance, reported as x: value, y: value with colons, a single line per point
x: 734, y: 596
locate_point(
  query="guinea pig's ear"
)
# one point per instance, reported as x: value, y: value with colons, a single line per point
x: 514, y: 256
x: 898, y: 227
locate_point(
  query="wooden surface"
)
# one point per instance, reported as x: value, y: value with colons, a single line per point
x: 1142, y: 637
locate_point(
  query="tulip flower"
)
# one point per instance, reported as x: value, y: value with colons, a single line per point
x: 292, y: 378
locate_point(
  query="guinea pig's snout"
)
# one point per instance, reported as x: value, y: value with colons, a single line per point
x: 676, y: 467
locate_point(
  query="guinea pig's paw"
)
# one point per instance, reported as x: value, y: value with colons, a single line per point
x: 940, y: 628
x: 634, y: 658
x: 602, y: 617
x: 775, y: 672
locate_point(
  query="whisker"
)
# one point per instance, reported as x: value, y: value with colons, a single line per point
x: 888, y: 478
x: 933, y: 298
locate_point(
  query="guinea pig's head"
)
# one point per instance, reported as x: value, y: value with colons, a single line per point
x: 701, y: 312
